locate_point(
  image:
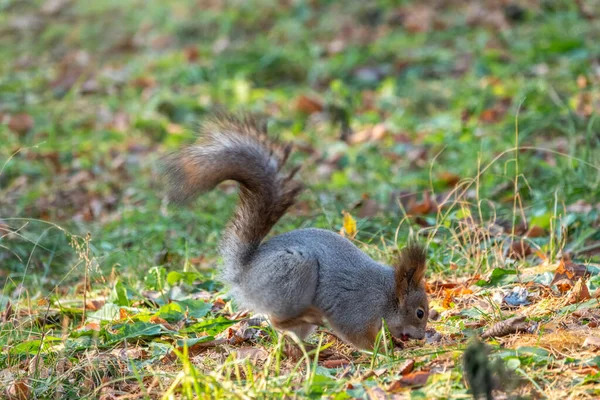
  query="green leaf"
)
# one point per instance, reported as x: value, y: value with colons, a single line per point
x: 108, y: 312
x: 176, y: 277
x: 136, y: 330
x: 195, y: 308
x: 211, y: 326
x: 172, y: 312
x: 500, y: 276
x: 192, y: 341
x: 119, y: 295
x: 156, y: 278
x: 33, y: 347
x: 513, y: 363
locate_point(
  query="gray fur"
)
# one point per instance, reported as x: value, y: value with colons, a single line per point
x: 304, y: 277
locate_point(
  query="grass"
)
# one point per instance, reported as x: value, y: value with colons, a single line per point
x: 474, y: 126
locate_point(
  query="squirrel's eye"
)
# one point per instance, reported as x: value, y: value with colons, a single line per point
x: 420, y: 313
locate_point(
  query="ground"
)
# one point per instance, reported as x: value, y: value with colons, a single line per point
x: 470, y: 125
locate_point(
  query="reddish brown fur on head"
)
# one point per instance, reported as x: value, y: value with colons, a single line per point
x: 410, y: 269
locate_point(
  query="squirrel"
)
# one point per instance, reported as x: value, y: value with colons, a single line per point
x: 306, y: 277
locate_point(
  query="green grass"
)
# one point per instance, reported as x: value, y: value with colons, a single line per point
x: 499, y: 116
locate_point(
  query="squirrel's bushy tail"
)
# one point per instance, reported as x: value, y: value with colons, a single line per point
x: 236, y: 148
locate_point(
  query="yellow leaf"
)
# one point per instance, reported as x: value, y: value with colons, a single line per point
x: 349, y: 225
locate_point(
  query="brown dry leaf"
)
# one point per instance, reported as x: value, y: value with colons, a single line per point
x: 252, y: 353
x: 218, y: 304
x: 480, y: 14
x: 20, y: 123
x: 123, y: 314
x: 70, y: 70
x: 414, y: 379
x: 450, y: 294
x: 191, y: 54
x: 308, y: 105
x: 579, y: 292
x: 519, y: 249
x: 37, y: 367
x: 376, y: 393
x: 564, y: 285
x: 427, y: 206
x: 294, y: 353
x: 120, y: 122
x: 158, y: 320
x: 406, y: 367
x: 368, y: 208
x: 535, y: 231
x: 506, y: 327
x: 418, y: 18
x: 8, y: 313
x: 92, y: 326
x: 592, y: 341
x: 143, y: 82
x: 569, y: 270
x: 198, y: 348
x: 495, y: 113
x: 349, y: 227
x: 370, y: 134
x: 175, y: 129
x: 18, y: 390
x: 94, y: 305
x: 54, y: 7
x: 449, y: 178
x: 335, y: 363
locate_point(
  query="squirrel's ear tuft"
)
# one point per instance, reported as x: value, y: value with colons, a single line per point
x: 410, y: 267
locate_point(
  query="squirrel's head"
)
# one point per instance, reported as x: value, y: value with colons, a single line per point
x: 410, y: 309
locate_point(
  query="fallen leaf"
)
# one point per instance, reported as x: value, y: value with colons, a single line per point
x: 418, y: 18
x: 18, y: 390
x: 569, y: 270
x: 427, y: 206
x: 349, y: 225
x: 450, y: 294
x: 406, y: 367
x: 191, y: 54
x: 92, y: 326
x: 123, y: 314
x: 449, y: 178
x: 143, y: 82
x: 368, y: 208
x: 591, y: 341
x: 157, y: 320
x: 308, y: 105
x: 376, y: 393
x: 8, y: 313
x: 252, y: 353
x: 335, y: 363
x: 371, y: 134
x: 20, y: 123
x: 579, y: 292
x: 519, y: 249
x: 506, y: 327
x: 218, y: 304
x: 94, y: 305
x: 54, y: 7
x: 564, y: 285
x: 535, y: 231
x: 37, y: 368
x: 414, y: 379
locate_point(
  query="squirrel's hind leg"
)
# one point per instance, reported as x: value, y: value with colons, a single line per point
x: 302, y: 330
x: 302, y: 325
